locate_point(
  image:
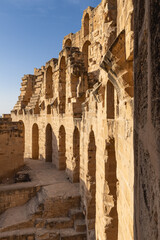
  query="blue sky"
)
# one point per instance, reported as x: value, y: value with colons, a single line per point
x: 31, y: 33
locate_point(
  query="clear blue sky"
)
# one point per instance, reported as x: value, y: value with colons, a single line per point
x: 31, y: 33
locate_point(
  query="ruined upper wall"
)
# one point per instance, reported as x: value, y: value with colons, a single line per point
x: 83, y: 53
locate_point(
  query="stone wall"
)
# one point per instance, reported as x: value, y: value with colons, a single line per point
x: 11, y: 147
x: 147, y: 119
x: 78, y: 114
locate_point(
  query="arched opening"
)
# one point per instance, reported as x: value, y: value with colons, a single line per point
x: 110, y: 100
x: 68, y: 43
x: 35, y: 141
x: 49, y: 109
x: 111, y: 191
x: 91, y: 210
x: 48, y: 143
x: 85, y: 51
x: 62, y: 148
x: 86, y: 25
x: 62, y: 86
x: 76, y: 155
x: 49, y: 83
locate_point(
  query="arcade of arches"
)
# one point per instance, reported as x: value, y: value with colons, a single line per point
x: 78, y: 116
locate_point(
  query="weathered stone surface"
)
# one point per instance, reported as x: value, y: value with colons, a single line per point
x: 147, y: 119
x: 11, y: 146
x: 78, y: 112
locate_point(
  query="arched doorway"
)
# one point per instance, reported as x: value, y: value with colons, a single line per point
x: 49, y: 83
x: 76, y: 155
x: 85, y: 51
x: 111, y: 191
x: 35, y: 141
x: 62, y: 148
x: 110, y: 100
x: 48, y: 143
x: 62, y: 86
x: 86, y: 25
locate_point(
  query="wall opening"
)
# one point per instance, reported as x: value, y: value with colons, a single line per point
x: 49, y: 83
x: 62, y: 86
x: 110, y: 100
x: 62, y: 148
x: 68, y: 43
x: 76, y: 155
x: 49, y: 109
x: 86, y: 25
x: 48, y: 143
x: 35, y: 141
x: 85, y: 51
x: 91, y: 209
x: 110, y: 207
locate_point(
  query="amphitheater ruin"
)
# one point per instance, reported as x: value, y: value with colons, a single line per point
x: 83, y: 137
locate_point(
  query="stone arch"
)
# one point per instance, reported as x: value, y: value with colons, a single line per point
x: 62, y: 86
x: 49, y: 83
x: 86, y: 25
x: 110, y: 207
x: 62, y: 148
x: 68, y: 43
x: 85, y: 51
x: 48, y: 109
x: 48, y: 143
x: 76, y: 155
x: 91, y: 208
x: 35, y: 141
x: 110, y: 101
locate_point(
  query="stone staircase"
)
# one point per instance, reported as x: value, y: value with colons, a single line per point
x: 44, y: 217
x: 26, y: 92
x: 34, y: 100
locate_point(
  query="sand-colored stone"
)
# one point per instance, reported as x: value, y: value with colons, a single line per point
x: 78, y: 117
x: 11, y: 146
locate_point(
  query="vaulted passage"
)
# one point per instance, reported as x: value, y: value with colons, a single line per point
x: 91, y: 211
x: 62, y: 86
x: 76, y: 155
x: 48, y: 143
x: 35, y: 141
x: 49, y: 83
x: 110, y: 100
x: 85, y: 51
x: 111, y: 192
x: 62, y: 148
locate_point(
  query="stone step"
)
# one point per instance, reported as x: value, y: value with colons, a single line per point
x: 80, y: 225
x: 15, y: 218
x: 75, y: 213
x: 59, y: 223
x: 26, y: 224
x: 28, y: 234
x: 43, y: 234
x: 55, y: 208
x: 71, y: 234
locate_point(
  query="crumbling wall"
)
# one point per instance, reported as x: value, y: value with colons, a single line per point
x: 11, y: 147
x: 85, y: 124
x: 147, y: 119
